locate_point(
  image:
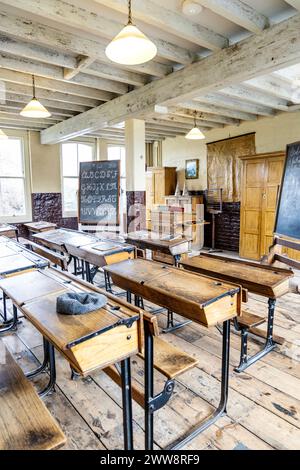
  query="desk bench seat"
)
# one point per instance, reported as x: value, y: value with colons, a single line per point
x: 25, y: 422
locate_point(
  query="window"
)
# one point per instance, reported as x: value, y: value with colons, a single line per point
x: 72, y: 154
x: 115, y: 152
x: 14, y: 181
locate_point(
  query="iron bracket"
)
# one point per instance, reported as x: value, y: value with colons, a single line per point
x: 162, y: 398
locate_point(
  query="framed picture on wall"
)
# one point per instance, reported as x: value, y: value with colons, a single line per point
x: 192, y: 169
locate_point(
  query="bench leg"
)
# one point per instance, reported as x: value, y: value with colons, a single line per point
x: 172, y: 326
x: 221, y: 410
x: 269, y: 346
x: 127, y: 404
x: 50, y: 387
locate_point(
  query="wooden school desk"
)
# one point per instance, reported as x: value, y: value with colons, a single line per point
x: 146, y: 240
x: 88, y: 342
x: 15, y: 259
x: 198, y: 298
x: 9, y: 231
x: 38, y: 227
x: 56, y: 239
x: 100, y: 254
x: 259, y: 279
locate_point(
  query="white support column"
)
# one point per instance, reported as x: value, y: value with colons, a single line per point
x: 135, y: 173
x: 102, y: 149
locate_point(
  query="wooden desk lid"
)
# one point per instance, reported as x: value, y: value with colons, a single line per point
x: 32, y: 285
x: 154, y: 238
x: 199, y: 298
x: 260, y: 279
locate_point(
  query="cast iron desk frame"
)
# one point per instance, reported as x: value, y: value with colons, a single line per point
x: 270, y: 344
x: 154, y: 403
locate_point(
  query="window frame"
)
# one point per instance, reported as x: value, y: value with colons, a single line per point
x: 68, y: 214
x: 18, y: 219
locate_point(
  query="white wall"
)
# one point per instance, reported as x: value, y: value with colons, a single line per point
x: 272, y: 134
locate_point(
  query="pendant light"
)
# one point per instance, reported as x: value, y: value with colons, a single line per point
x: 131, y: 46
x: 195, y: 133
x: 34, y: 109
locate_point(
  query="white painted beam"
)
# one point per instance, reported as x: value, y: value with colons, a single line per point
x: 238, y: 12
x: 181, y: 111
x: 275, y: 48
x: 217, y: 99
x: 16, y: 117
x: 9, y: 114
x: 256, y: 97
x: 62, y: 105
x: 27, y: 52
x: 15, y: 88
x: 14, y: 107
x: 12, y: 76
x: 82, y: 63
x: 217, y: 110
x: 89, y: 21
x: 294, y: 3
x: 275, y: 86
x: 171, y: 21
x: 68, y: 42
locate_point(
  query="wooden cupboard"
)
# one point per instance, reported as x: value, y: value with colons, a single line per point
x: 160, y: 182
x: 261, y: 179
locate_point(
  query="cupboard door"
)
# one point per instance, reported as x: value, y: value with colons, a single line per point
x: 251, y: 208
x: 273, y: 175
x: 159, y: 187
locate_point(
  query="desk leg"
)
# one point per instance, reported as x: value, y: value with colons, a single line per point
x: 52, y: 370
x: 172, y: 326
x: 177, y: 259
x: 127, y: 404
x: 221, y: 410
x: 270, y: 345
x: 44, y: 364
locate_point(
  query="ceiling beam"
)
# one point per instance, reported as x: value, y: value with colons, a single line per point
x: 82, y: 63
x: 18, y: 89
x: 13, y: 76
x: 294, y: 3
x: 92, y: 22
x: 61, y: 105
x: 188, y: 120
x: 8, y: 114
x: 14, y: 107
x: 16, y: 117
x: 33, y: 52
x: 275, y: 48
x: 238, y: 12
x: 217, y: 110
x: 256, y: 97
x: 171, y: 21
x: 32, y: 31
x: 23, y: 124
x: 235, y: 104
x: 275, y: 86
x: 181, y: 111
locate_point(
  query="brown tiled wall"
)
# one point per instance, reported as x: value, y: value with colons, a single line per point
x: 227, y: 227
x: 48, y: 207
x: 136, y: 200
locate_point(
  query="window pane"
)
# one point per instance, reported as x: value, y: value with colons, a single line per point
x: 118, y: 153
x: 69, y: 157
x: 85, y: 153
x: 12, y: 197
x: 70, y: 194
x: 11, y: 157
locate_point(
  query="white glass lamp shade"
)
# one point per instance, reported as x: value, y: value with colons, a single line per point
x: 195, y: 134
x: 131, y: 47
x: 35, y: 109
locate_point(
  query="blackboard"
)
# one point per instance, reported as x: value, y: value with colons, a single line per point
x: 99, y: 192
x: 288, y: 211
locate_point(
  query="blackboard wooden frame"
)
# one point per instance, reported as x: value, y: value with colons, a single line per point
x: 95, y: 221
x: 279, y: 233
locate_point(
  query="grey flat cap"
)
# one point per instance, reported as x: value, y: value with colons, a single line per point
x: 78, y: 304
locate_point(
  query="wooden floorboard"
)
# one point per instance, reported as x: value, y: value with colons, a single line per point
x: 264, y: 401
